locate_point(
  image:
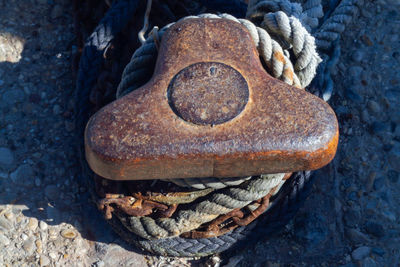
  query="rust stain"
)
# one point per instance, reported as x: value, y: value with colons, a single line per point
x: 279, y: 56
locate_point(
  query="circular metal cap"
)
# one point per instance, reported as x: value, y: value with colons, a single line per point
x: 208, y: 93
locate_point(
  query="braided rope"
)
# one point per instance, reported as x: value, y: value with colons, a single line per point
x: 216, y: 203
x: 92, y: 55
x: 283, y: 207
x: 291, y: 31
x: 309, y: 14
x: 209, y: 182
x: 336, y: 23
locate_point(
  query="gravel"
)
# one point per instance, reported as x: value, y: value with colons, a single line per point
x: 46, y: 218
x: 6, y: 158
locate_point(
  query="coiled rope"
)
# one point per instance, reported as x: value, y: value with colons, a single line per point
x: 274, y: 50
x: 215, y: 204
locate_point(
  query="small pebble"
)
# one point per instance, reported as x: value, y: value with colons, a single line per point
x: 44, y: 260
x: 4, y: 240
x: 360, y: 253
x: 33, y: 224
x: 369, y: 262
x: 373, y: 107
x: 357, y: 56
x: 29, y: 246
x: 4, y: 223
x: 68, y: 233
x: 38, y: 182
x: 24, y: 237
x: 52, y: 233
x: 6, y: 158
x: 9, y: 215
x: 356, y: 236
x: 53, y: 255
x: 43, y: 225
x: 39, y: 246
x: 56, y: 109
x: 394, y: 158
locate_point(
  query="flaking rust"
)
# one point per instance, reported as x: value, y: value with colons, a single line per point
x: 210, y: 110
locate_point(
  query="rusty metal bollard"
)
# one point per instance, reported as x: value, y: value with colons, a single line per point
x: 210, y: 110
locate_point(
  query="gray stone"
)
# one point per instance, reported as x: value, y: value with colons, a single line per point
x: 4, y: 241
x: 369, y: 262
x: 360, y: 253
x: 357, y: 56
x: 394, y: 158
x: 29, y: 246
x: 356, y: 236
x: 56, y: 109
x: 373, y: 107
x: 23, y: 175
x: 38, y: 182
x: 43, y: 225
x: 44, y: 260
x: 52, y: 192
x: 5, y: 224
x: 6, y: 158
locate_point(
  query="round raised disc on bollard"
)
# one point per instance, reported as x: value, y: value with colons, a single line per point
x: 208, y: 93
x: 186, y: 123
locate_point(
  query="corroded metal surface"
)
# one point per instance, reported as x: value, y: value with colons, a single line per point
x: 280, y: 129
x: 208, y: 93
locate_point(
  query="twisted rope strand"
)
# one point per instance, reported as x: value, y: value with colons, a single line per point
x: 291, y: 31
x: 336, y: 23
x: 217, y: 203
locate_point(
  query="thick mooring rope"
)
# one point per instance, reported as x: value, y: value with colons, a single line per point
x: 273, y: 45
x: 283, y: 207
x: 215, y: 204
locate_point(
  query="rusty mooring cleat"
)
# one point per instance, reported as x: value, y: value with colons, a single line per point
x: 210, y: 110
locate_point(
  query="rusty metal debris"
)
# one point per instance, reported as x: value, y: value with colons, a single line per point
x: 227, y: 222
x: 150, y: 134
x: 131, y: 206
x: 139, y: 205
